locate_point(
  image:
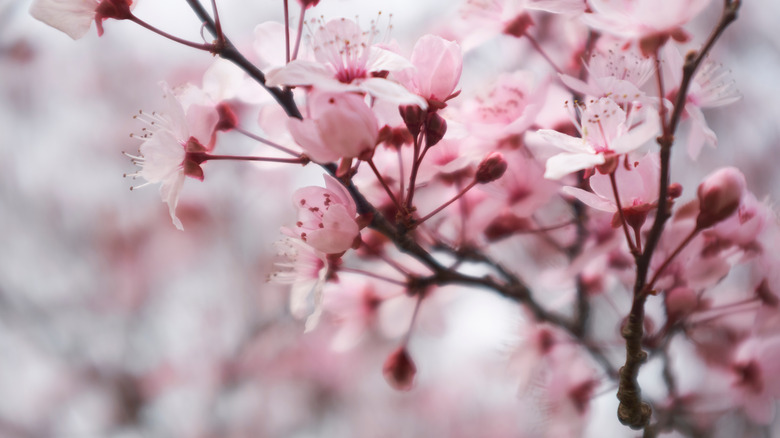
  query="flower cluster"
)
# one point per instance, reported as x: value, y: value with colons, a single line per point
x: 549, y: 183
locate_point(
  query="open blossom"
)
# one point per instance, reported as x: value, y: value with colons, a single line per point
x: 326, y: 217
x: 638, y: 190
x: 74, y: 17
x: 606, y: 130
x: 340, y: 125
x: 755, y: 367
x: 171, y: 145
x: 651, y: 22
x: 616, y: 73
x: 306, y: 269
x: 712, y: 87
x: 346, y: 59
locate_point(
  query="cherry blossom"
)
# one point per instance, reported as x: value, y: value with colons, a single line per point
x: 606, y: 130
x: 755, y: 365
x: 650, y: 22
x: 638, y: 190
x: 326, y: 217
x: 168, y: 144
x: 74, y: 17
x: 347, y: 59
x: 322, y: 134
x: 617, y: 74
x: 306, y: 270
x: 712, y: 87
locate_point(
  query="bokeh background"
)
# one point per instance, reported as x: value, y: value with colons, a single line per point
x: 115, y: 324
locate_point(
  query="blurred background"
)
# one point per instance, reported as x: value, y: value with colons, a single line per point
x: 115, y: 324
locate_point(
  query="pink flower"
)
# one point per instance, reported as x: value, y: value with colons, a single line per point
x: 651, y: 22
x: 74, y: 17
x: 637, y: 188
x: 606, y: 130
x: 326, y: 217
x: 755, y: 368
x: 170, y: 148
x: 618, y: 74
x: 306, y: 270
x: 711, y: 87
x: 346, y: 57
x: 340, y: 125
x: 437, y: 67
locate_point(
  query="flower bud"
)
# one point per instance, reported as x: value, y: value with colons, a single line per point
x: 435, y: 129
x: 491, y: 168
x: 399, y: 370
x: 413, y: 116
x: 719, y: 196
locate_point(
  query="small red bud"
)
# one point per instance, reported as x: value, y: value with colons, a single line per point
x: 491, y: 168
x: 399, y: 370
x: 435, y: 128
x: 413, y: 116
x: 227, y: 118
x: 675, y: 190
x: 519, y: 25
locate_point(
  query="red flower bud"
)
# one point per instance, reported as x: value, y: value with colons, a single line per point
x: 399, y: 370
x: 491, y: 168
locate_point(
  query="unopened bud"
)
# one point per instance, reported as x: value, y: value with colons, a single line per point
x: 399, y: 370
x: 719, y: 196
x: 435, y: 128
x: 227, y: 118
x: 413, y: 116
x: 675, y: 190
x: 491, y: 168
x: 519, y: 25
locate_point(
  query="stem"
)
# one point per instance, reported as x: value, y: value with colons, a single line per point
x: 671, y: 257
x: 300, y: 33
x: 384, y: 184
x: 299, y: 160
x: 286, y: 32
x: 199, y: 46
x: 535, y: 44
x: 373, y: 275
x: 267, y: 142
x: 623, y: 222
x: 443, y: 206
x: 217, y: 24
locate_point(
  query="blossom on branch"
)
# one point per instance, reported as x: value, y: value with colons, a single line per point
x: 326, y: 217
x: 606, y: 130
x: 74, y: 17
x: 340, y: 125
x: 171, y: 145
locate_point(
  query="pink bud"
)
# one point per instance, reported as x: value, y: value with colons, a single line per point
x: 435, y: 129
x: 491, y: 168
x: 719, y: 196
x: 399, y: 370
x: 438, y: 64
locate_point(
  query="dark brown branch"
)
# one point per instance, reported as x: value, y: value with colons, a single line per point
x: 226, y: 50
x: 633, y: 411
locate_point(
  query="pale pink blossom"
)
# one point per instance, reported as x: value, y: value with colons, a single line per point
x: 437, y: 65
x: 755, y: 368
x: 651, y: 22
x: 637, y: 190
x: 74, y: 17
x: 306, y: 269
x: 346, y: 57
x: 606, y: 130
x: 339, y: 125
x: 617, y: 73
x: 712, y: 87
x: 326, y: 217
x: 168, y: 144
